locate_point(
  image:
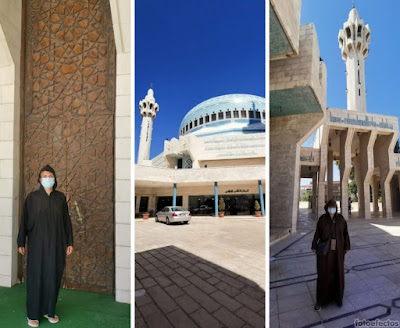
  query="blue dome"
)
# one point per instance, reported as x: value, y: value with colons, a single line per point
x: 244, y: 110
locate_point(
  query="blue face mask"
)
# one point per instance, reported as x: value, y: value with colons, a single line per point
x: 331, y: 210
x: 48, y: 183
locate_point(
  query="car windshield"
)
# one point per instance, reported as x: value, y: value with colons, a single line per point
x: 177, y: 208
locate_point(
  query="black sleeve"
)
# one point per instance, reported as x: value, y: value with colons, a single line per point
x: 23, y: 228
x: 67, y: 224
x: 317, y: 234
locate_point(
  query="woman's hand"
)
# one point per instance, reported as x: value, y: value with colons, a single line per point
x: 70, y: 249
x: 21, y: 250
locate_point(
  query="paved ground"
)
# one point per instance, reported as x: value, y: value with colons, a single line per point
x: 209, y: 273
x: 372, y: 276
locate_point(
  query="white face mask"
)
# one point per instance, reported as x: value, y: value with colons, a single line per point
x: 331, y: 210
x: 48, y: 183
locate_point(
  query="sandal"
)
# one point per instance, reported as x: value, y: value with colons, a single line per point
x: 55, y: 319
x: 33, y: 323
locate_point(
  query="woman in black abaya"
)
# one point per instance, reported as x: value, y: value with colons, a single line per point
x: 46, y: 223
x: 330, y: 267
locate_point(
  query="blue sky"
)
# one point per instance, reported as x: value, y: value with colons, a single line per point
x: 192, y: 51
x: 382, y: 66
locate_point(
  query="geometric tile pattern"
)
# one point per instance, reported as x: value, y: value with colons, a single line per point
x: 68, y: 122
x: 278, y: 41
x: 287, y: 102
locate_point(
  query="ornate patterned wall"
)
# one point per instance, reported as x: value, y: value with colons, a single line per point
x: 68, y: 122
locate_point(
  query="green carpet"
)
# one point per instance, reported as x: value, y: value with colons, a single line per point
x: 76, y: 309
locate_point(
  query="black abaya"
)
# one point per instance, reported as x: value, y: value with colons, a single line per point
x: 46, y: 223
x: 330, y: 268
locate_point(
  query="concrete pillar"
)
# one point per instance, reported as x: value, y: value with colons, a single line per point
x: 346, y: 139
x: 384, y: 146
x: 260, y: 190
x: 375, y: 192
x: 322, y: 170
x: 330, y: 174
x: 152, y: 205
x: 137, y: 205
x: 367, y: 142
x: 216, y: 198
x: 314, y: 193
x: 185, y: 202
x: 357, y: 177
x: 174, y: 196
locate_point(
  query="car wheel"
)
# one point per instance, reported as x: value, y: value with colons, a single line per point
x: 157, y: 218
x: 167, y: 220
x: 186, y: 222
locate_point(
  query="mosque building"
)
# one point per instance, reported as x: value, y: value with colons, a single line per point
x: 65, y: 101
x: 220, y: 152
x: 352, y: 137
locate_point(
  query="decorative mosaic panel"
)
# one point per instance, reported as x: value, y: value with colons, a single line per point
x: 68, y: 122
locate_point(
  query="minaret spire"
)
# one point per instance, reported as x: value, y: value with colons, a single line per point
x: 354, y: 40
x: 148, y: 110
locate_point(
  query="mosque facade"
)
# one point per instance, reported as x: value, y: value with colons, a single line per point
x: 352, y: 137
x: 219, y: 152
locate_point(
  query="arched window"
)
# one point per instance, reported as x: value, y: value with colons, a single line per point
x: 190, y: 125
x: 228, y: 114
x: 186, y: 127
x: 235, y: 113
x: 348, y: 32
x: 207, y: 118
x: 359, y: 31
x: 258, y: 115
x: 201, y: 121
x: 243, y: 113
x: 220, y: 115
x: 251, y: 113
x: 213, y: 117
x: 263, y: 115
x: 195, y: 122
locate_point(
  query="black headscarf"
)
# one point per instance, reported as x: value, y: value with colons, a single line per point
x: 48, y: 168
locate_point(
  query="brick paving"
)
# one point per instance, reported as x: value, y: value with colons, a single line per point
x: 196, y: 276
x: 372, y: 276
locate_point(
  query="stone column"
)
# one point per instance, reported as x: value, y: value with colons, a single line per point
x: 322, y: 170
x: 346, y: 139
x: 152, y: 205
x: 314, y: 193
x: 375, y: 192
x: 185, y: 202
x: 357, y: 177
x: 137, y: 205
x: 367, y: 141
x: 384, y: 146
x: 330, y: 174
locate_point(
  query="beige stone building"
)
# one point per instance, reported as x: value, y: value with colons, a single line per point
x: 350, y: 136
x: 220, y: 152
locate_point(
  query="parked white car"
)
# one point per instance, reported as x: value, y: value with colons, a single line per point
x: 170, y: 214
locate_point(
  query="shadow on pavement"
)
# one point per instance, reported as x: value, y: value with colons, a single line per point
x: 174, y: 288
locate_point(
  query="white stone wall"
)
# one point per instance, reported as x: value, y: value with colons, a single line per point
x: 120, y: 11
x: 159, y: 175
x: 10, y: 48
x: 288, y: 13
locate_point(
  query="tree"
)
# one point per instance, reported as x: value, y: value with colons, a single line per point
x: 221, y: 205
x: 306, y: 196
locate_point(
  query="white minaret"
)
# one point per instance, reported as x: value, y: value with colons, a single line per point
x: 353, y: 42
x: 148, y: 109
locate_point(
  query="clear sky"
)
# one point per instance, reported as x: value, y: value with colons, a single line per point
x: 382, y: 66
x: 193, y: 50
